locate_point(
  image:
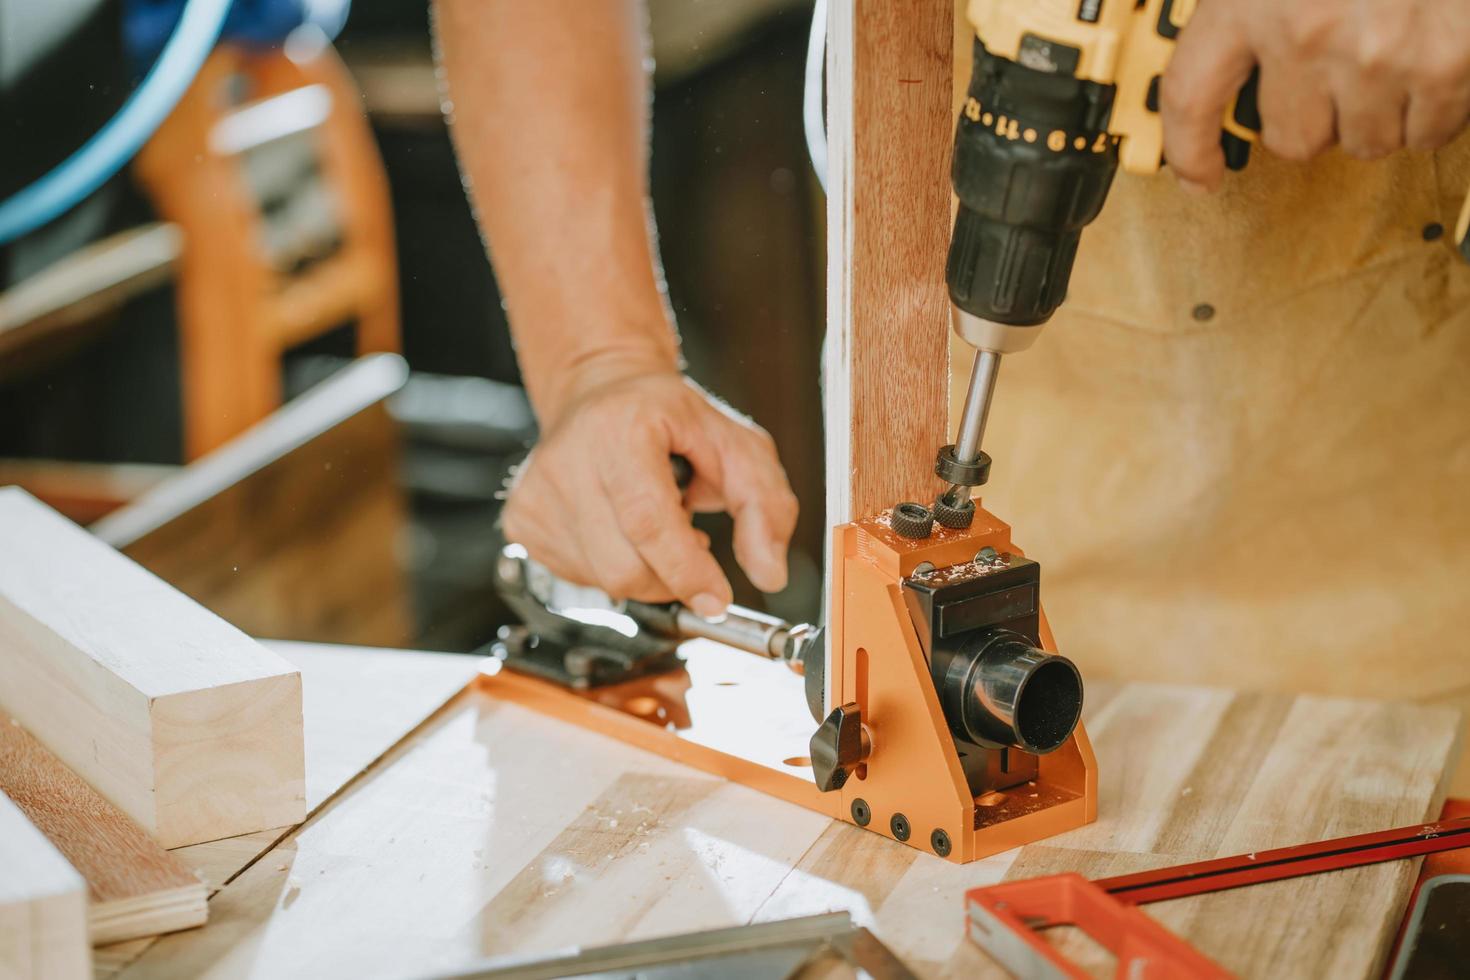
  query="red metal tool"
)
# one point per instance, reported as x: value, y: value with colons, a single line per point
x: 1003, y: 919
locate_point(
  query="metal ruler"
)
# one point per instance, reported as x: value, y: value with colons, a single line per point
x: 766, y: 950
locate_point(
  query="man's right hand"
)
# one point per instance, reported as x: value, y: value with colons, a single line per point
x: 1371, y: 75
x: 597, y: 504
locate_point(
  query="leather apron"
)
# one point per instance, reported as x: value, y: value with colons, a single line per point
x: 1241, y: 450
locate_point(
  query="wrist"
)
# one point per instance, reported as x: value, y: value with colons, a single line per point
x: 575, y: 378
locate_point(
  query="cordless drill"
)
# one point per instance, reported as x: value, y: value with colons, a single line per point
x: 1061, y: 93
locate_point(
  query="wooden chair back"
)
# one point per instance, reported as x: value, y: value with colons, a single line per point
x: 269, y: 168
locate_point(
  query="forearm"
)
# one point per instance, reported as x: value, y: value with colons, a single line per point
x: 550, y: 118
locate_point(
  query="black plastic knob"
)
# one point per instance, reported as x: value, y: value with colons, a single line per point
x: 837, y: 747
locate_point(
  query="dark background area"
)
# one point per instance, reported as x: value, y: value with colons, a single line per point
x: 740, y: 221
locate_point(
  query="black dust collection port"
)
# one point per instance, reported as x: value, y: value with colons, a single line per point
x: 1050, y: 706
x: 1007, y: 701
x: 1007, y: 692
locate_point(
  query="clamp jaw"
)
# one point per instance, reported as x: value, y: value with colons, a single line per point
x: 580, y: 638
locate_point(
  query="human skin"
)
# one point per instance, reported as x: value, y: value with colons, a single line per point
x: 1373, y: 76
x: 549, y: 102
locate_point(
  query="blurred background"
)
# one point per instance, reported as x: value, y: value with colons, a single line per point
x: 201, y: 360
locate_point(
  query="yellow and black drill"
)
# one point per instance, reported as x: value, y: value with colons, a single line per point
x: 1062, y: 92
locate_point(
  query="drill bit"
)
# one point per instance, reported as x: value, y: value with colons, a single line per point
x: 973, y: 418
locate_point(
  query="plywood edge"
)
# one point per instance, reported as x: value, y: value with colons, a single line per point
x: 229, y: 760
x: 185, y: 907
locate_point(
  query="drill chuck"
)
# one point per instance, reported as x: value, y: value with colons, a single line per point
x: 1032, y: 166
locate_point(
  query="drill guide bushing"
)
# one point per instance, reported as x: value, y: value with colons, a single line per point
x: 951, y: 470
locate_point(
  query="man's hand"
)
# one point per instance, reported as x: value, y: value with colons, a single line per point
x: 550, y: 102
x: 1372, y: 75
x: 596, y: 502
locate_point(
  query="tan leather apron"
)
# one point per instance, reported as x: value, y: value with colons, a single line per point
x: 1241, y: 451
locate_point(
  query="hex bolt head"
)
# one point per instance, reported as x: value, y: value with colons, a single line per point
x: 862, y: 814
x: 939, y: 840
x: 900, y: 827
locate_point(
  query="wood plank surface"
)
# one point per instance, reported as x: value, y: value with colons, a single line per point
x: 493, y: 830
x: 43, y: 905
x: 134, y: 887
x: 185, y: 723
x: 889, y: 71
x: 360, y: 702
x: 358, y: 705
x: 246, y: 530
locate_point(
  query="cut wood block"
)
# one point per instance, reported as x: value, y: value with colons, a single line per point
x: 134, y: 887
x: 186, y: 724
x: 43, y: 906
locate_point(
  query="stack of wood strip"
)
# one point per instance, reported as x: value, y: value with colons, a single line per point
x: 134, y: 887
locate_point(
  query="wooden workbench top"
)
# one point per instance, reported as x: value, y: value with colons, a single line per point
x: 494, y: 830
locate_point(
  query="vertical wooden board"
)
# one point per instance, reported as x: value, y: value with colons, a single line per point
x: 134, y: 887
x: 185, y: 723
x: 889, y: 72
x: 43, y: 905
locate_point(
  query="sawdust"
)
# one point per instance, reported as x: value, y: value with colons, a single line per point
x: 965, y: 571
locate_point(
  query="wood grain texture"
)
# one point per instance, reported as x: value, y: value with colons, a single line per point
x: 43, y: 905
x: 361, y: 702
x: 494, y: 830
x: 889, y: 71
x: 134, y: 887
x: 358, y: 705
x: 186, y: 724
x: 246, y: 530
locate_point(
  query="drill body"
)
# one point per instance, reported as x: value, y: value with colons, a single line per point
x: 1062, y: 93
